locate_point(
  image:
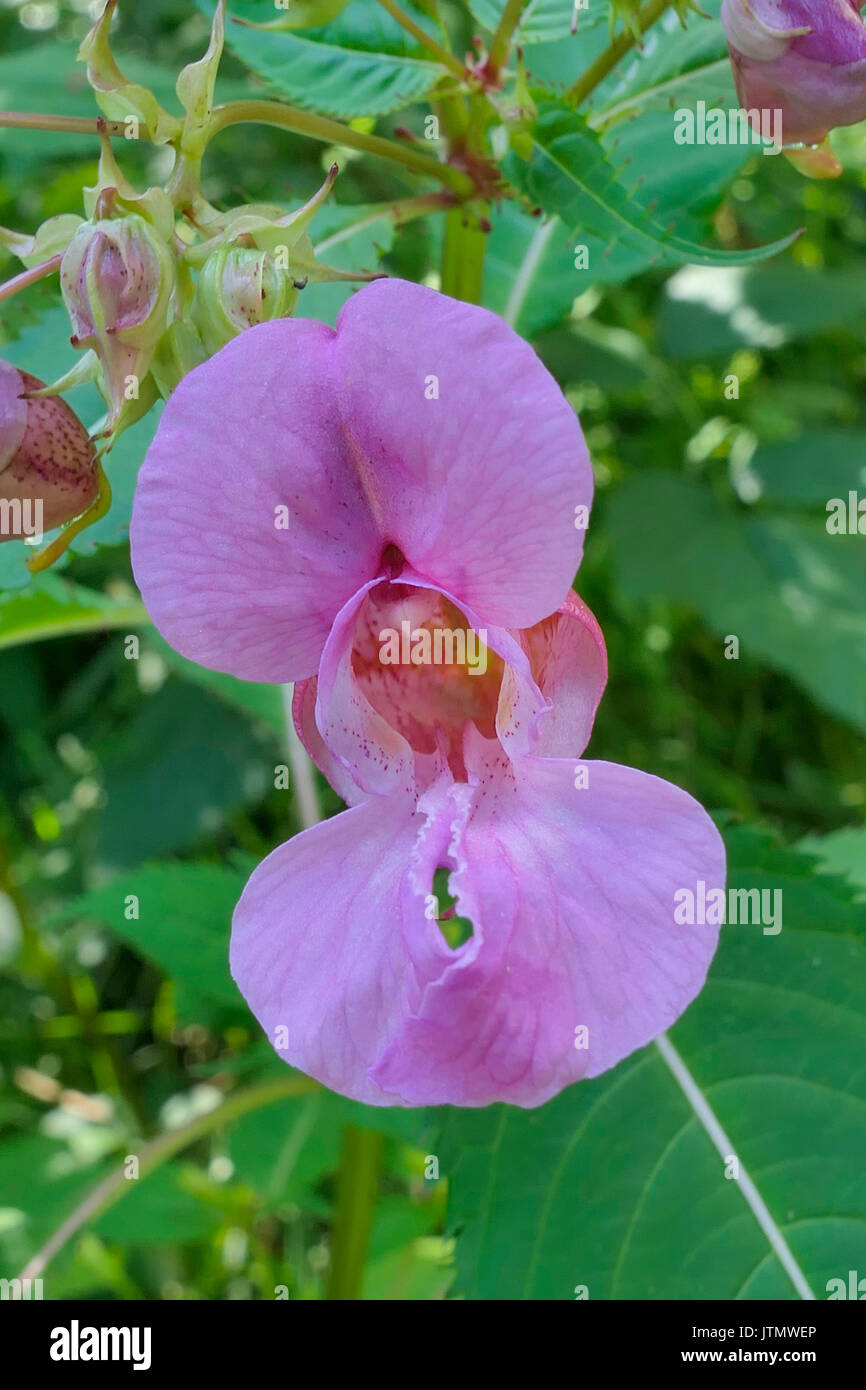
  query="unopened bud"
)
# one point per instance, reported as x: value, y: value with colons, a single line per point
x: 803, y: 58
x: 239, y: 286
x: 117, y: 276
x: 47, y: 466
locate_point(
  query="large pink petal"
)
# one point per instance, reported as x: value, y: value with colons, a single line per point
x: 330, y: 939
x: 477, y: 487
x: 571, y: 893
x: 253, y: 429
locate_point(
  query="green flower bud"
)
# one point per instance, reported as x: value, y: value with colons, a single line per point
x: 239, y: 286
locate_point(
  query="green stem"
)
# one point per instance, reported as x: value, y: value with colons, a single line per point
x: 621, y: 45
x: 501, y: 41
x: 463, y: 257
x: 29, y: 277
x: 441, y: 54
x: 155, y: 1153
x: 357, y: 1190
x: 64, y: 125
x: 333, y: 133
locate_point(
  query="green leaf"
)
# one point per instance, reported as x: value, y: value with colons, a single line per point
x: 41, y: 1182
x: 263, y: 702
x: 529, y: 274
x: 678, y: 66
x: 811, y: 469
x: 709, y: 312
x: 175, y: 772
x: 54, y: 607
x: 158, y: 1209
x: 543, y: 21
x: 347, y: 238
x: 842, y: 852
x: 183, y: 927
x: 616, y: 1185
x: 532, y: 275
x: 333, y: 70
x: 28, y: 74
x: 790, y: 592
x: 570, y: 175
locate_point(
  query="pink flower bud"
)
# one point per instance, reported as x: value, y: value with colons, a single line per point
x: 47, y: 465
x: 117, y: 275
x: 804, y: 58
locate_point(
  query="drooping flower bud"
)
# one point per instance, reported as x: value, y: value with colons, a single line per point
x: 240, y: 286
x: 804, y: 58
x: 48, y: 471
x: 117, y: 276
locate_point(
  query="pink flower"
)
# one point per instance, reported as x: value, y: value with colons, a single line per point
x: 432, y: 470
x: 806, y: 58
x: 47, y: 464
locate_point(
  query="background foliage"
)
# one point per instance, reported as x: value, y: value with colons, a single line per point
x: 155, y: 778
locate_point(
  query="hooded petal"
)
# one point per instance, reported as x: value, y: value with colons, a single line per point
x: 398, y: 725
x: 478, y: 483
x: 287, y: 464
x: 571, y: 895
x: 568, y: 661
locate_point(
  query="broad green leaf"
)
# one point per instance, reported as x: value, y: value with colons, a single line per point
x: 813, y: 468
x: 617, y: 1185
x: 28, y: 74
x: 348, y: 238
x: 707, y: 311
x: 570, y: 175
x: 54, y: 607
x: 529, y: 273
x: 284, y: 1151
x: 333, y: 70
x: 545, y: 21
x: 158, y: 1209
x: 183, y: 927
x: 841, y: 852
x: 264, y: 702
x: 677, y: 67
x: 790, y: 592
x: 176, y: 772
x: 532, y: 274
x: 41, y: 1182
